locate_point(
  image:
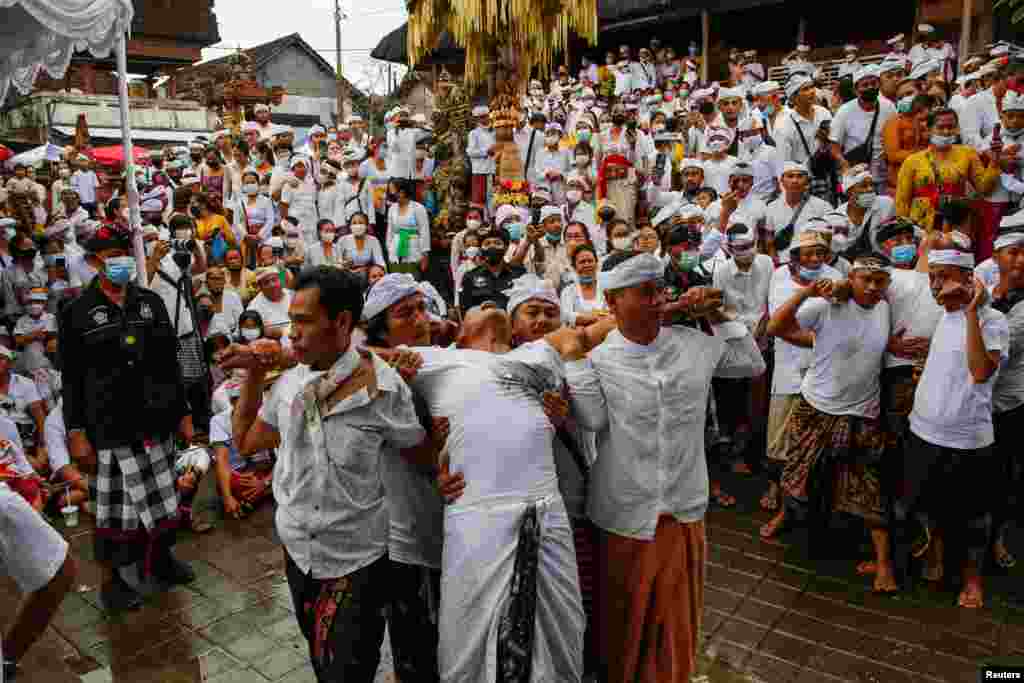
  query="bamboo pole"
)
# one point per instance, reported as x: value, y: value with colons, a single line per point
x: 705, y: 37
x: 965, y: 33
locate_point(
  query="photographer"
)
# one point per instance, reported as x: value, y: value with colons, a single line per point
x: 165, y: 267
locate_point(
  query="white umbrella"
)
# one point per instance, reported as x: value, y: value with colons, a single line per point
x: 42, y: 35
x: 48, y: 152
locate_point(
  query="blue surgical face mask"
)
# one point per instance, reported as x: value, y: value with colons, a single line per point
x: 120, y: 269
x: 585, y: 279
x: 943, y: 141
x: 810, y: 274
x: 553, y: 238
x: 515, y: 231
x: 903, y: 254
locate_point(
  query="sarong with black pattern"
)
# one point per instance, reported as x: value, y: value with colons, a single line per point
x: 516, y: 629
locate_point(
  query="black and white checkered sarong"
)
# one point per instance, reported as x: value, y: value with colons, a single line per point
x: 135, y: 484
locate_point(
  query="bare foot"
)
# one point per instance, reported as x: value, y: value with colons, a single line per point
x: 770, y: 500
x: 972, y: 596
x: 772, y: 528
x: 885, y: 581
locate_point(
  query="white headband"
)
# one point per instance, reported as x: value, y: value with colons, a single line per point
x: 528, y: 287
x: 853, y: 179
x: 1008, y: 240
x: 951, y: 257
x: 388, y: 291
x: 631, y: 272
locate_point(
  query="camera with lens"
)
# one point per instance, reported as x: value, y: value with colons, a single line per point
x: 181, y: 252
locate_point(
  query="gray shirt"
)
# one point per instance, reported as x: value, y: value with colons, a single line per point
x: 328, y: 483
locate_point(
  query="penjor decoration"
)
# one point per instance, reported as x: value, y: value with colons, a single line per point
x: 533, y: 30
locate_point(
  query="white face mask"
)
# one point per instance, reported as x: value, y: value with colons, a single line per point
x: 250, y: 189
x: 359, y: 229
x: 472, y: 252
x: 250, y: 334
x: 327, y: 236
x: 622, y: 243
x: 35, y: 309
x: 473, y: 224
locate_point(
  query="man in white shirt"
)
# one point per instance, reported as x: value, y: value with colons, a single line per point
x: 333, y: 421
x: 835, y: 437
x: 786, y: 216
x: 929, y: 47
x: 744, y: 278
x: 856, y: 131
x: 950, y: 450
x: 85, y: 183
x: 792, y: 349
x: 914, y: 315
x: 492, y: 532
x: 739, y: 200
x: 530, y: 141
x: 801, y: 134
x: 480, y: 150
x: 982, y: 112
x: 645, y: 392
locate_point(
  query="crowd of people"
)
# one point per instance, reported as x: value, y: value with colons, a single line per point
x: 498, y: 426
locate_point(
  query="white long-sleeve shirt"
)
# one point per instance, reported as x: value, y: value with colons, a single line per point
x: 980, y: 116
x: 648, y: 404
x: 480, y: 141
x: 746, y: 292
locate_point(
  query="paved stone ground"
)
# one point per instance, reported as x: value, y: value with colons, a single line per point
x: 772, y: 616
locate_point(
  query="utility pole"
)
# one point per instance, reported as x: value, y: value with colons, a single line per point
x: 340, y: 81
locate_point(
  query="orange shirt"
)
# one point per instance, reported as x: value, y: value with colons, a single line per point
x: 901, y: 137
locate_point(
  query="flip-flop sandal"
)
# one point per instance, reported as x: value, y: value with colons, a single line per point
x: 919, y: 546
x: 1003, y: 557
x: 201, y: 527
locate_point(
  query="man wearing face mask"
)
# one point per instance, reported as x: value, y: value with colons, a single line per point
x: 487, y: 283
x: 866, y: 211
x: 918, y: 194
x: 914, y: 316
x: 856, y: 132
x: 118, y: 353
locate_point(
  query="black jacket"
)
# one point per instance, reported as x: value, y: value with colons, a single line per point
x: 480, y: 285
x: 121, y: 380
